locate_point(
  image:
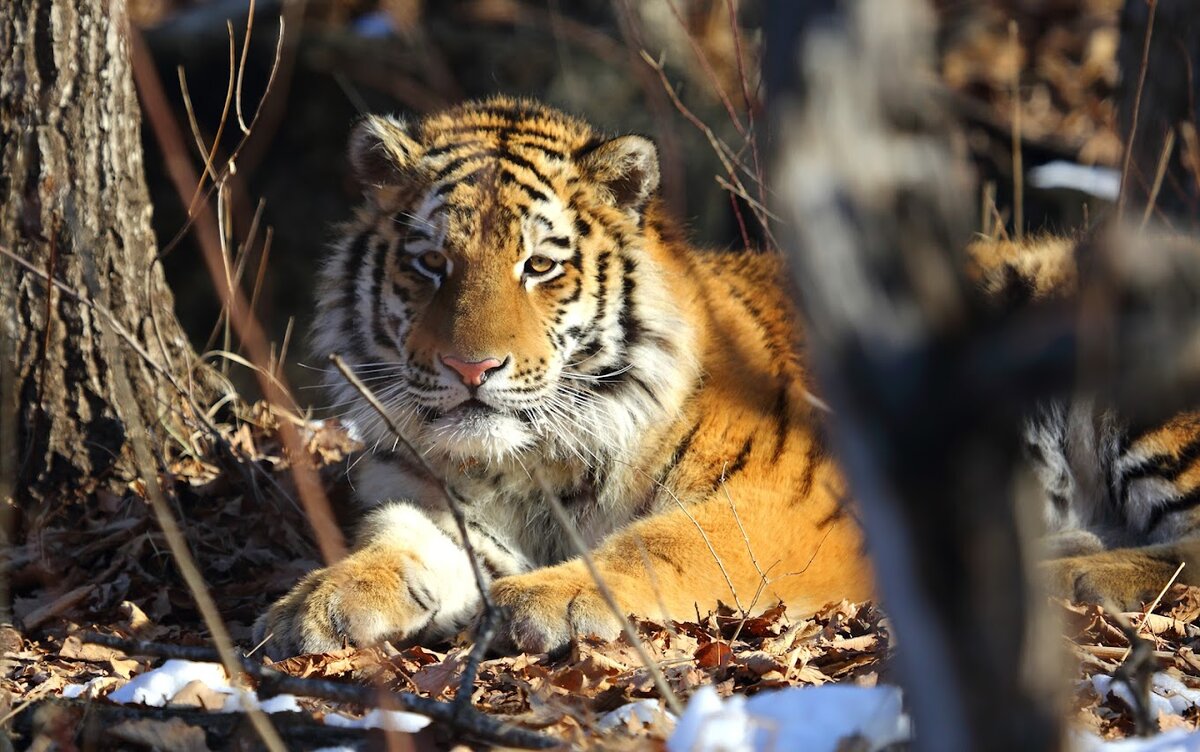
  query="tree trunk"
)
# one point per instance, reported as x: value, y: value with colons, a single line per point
x: 74, y: 206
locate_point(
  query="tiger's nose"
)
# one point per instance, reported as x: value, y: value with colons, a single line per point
x: 472, y: 373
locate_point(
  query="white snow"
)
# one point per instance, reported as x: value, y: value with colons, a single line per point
x: 71, y: 691
x: 815, y: 719
x: 388, y: 720
x: 1102, y: 182
x: 646, y: 712
x: 159, y: 686
x: 1167, y: 694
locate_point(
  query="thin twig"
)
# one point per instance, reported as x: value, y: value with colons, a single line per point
x: 455, y: 503
x: 272, y: 681
x: 1137, y: 672
x: 1164, y: 161
x: 1123, y: 195
x: 711, y: 74
x: 735, y: 31
x: 241, y: 74
x: 1154, y: 604
x: 136, y: 432
x: 729, y: 160
x: 631, y: 635
x: 1018, y: 166
x: 250, y: 333
x: 237, y: 150
x: 762, y: 576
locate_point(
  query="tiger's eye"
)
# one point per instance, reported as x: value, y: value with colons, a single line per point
x: 434, y: 261
x: 538, y: 265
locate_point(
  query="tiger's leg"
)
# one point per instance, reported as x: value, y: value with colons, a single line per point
x: 664, y: 563
x: 406, y: 578
x: 1126, y: 578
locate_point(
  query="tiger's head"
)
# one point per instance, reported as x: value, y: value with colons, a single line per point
x: 500, y: 290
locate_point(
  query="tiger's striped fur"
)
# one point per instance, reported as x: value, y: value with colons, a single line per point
x: 1122, y: 502
x: 654, y: 388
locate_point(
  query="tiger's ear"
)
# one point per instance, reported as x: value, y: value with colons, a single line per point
x: 382, y: 152
x: 626, y: 167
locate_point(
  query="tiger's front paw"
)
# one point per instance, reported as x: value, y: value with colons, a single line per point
x: 375, y: 594
x: 1122, y: 579
x: 548, y: 607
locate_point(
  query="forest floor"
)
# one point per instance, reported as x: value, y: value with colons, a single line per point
x: 110, y: 572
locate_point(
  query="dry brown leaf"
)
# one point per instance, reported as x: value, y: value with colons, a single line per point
x: 436, y: 678
x: 197, y: 694
x: 761, y: 663
x: 123, y: 667
x: 862, y: 643
x: 328, y: 665
x: 1181, y: 602
x: 99, y: 687
x: 1170, y: 722
x: 75, y: 648
x: 811, y: 675
x: 135, y: 619
x: 714, y: 654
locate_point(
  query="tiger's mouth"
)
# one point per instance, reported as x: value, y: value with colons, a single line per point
x: 474, y: 406
x: 475, y: 429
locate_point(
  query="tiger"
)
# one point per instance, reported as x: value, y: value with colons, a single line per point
x: 514, y: 296
x: 1119, y: 499
x: 538, y: 328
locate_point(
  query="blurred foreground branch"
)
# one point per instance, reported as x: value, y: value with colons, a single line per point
x: 928, y: 385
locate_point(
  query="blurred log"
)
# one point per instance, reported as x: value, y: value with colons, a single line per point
x: 928, y: 384
x: 880, y: 207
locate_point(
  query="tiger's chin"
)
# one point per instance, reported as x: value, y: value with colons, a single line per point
x: 488, y: 435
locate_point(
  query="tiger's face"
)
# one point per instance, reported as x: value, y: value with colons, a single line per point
x: 499, y: 297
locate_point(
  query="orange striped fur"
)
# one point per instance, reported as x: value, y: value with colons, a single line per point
x: 654, y: 388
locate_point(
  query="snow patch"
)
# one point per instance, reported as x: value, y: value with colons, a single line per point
x: 388, y: 720
x: 1101, y: 182
x: 1167, y: 694
x: 646, y: 712
x: 71, y: 691
x: 158, y: 686
x: 815, y: 719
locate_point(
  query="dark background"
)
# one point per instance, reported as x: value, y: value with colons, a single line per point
x: 343, y: 58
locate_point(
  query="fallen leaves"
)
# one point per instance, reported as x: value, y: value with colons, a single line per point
x: 1101, y: 646
x: 104, y: 565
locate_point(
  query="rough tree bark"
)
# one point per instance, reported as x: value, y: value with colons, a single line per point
x: 74, y: 205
